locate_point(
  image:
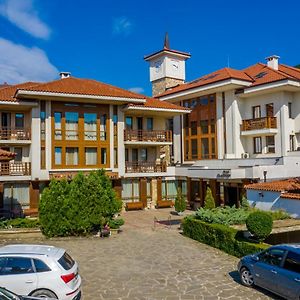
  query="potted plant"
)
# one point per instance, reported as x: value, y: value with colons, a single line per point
x: 180, y: 204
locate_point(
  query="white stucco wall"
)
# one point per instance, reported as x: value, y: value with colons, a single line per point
x: 267, y: 200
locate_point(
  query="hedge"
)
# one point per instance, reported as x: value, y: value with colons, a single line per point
x: 220, y: 236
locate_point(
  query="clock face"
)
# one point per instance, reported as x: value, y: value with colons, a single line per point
x: 175, y: 65
x: 157, y: 65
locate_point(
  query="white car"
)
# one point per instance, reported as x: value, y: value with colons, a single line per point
x: 39, y: 271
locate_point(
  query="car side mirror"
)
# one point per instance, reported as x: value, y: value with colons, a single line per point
x: 255, y: 257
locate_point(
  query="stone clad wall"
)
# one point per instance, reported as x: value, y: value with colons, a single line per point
x: 161, y: 85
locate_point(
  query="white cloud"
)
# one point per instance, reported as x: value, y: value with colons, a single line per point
x: 19, y: 63
x: 122, y: 26
x: 23, y: 14
x: 138, y: 90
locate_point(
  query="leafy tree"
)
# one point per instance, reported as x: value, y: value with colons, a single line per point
x: 78, y: 207
x: 244, y: 202
x: 180, y: 204
x: 209, y: 202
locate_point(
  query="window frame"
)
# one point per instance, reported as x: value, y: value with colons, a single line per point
x: 255, y: 150
x: 255, y: 109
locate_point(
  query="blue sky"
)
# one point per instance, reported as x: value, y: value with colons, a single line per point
x: 106, y: 40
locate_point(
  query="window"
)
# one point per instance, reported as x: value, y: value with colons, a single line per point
x: 143, y: 154
x: 290, y: 109
x: 169, y: 189
x: 57, y: 126
x: 71, y: 125
x: 71, y: 156
x: 212, y: 126
x: 19, y: 120
x: 40, y: 266
x: 43, y: 119
x: 103, y: 156
x: 18, y: 151
x: 90, y: 126
x: 270, y: 110
x: 204, y: 126
x: 2, y: 265
x: 129, y: 122
x: 270, y: 143
x: 204, y: 148
x: 149, y: 123
x: 134, y: 153
x: 257, y: 145
x: 91, y: 156
x: 103, y: 119
x: 57, y: 155
x: 115, y: 114
x: 292, y: 262
x: 116, y: 157
x: 194, y: 148
x: 18, y: 265
x: 66, y: 261
x: 256, y: 112
x: 194, y: 128
x: 126, y: 155
x: 130, y: 190
x: 272, y: 257
x: 204, y: 100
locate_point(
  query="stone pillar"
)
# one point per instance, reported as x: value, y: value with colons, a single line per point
x: 177, y: 138
x: 35, y: 153
x: 111, y: 137
x: 154, y: 192
x: 121, y: 146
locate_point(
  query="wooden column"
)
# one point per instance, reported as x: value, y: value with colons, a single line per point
x: 143, y: 191
x: 1, y: 195
x: 189, y: 190
x: 117, y: 186
x: 159, y: 191
x: 34, y: 194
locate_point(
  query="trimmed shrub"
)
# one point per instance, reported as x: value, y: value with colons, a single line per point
x: 180, y: 204
x: 244, y: 203
x: 209, y: 202
x: 223, y: 215
x: 279, y: 215
x: 220, y: 236
x: 78, y: 207
x: 19, y: 223
x: 260, y: 224
x: 116, y: 223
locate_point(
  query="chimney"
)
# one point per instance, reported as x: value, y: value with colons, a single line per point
x: 64, y: 75
x: 272, y: 62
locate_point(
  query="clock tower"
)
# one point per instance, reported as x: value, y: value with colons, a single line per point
x: 167, y: 68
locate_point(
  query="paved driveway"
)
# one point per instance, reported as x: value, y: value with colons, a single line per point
x: 150, y: 263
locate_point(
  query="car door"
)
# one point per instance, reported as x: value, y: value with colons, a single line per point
x: 267, y: 268
x: 18, y: 275
x: 289, y: 276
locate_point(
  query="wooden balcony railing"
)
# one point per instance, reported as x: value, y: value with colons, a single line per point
x: 15, y: 168
x: 14, y: 134
x: 148, y: 135
x: 259, y: 123
x: 145, y: 167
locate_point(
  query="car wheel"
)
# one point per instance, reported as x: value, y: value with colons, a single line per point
x: 246, y: 277
x: 44, y: 294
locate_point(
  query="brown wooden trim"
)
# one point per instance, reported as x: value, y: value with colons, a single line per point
x: 143, y: 191
x: 1, y: 195
x: 189, y: 189
x: 34, y: 194
x: 259, y: 123
x: 81, y: 143
x: 159, y: 189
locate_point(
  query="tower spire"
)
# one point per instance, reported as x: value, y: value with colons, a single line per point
x: 166, y: 42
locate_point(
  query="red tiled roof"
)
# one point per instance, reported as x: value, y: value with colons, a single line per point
x: 219, y: 75
x: 83, y: 87
x: 287, y: 185
x: 295, y: 196
x: 80, y: 86
x: 155, y: 103
x: 7, y: 93
x: 257, y: 74
x: 6, y: 155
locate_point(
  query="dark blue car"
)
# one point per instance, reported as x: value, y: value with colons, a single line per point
x: 276, y: 269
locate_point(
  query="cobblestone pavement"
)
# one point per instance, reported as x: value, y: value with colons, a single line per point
x: 148, y: 263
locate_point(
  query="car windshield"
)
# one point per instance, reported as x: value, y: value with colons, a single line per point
x: 7, y: 295
x: 66, y: 261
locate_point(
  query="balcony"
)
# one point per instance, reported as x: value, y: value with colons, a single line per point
x: 145, y: 167
x: 261, y: 126
x: 15, y: 168
x: 15, y: 134
x: 148, y: 136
